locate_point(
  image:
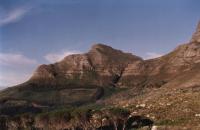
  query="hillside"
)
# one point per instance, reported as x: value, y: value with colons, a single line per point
x: 165, y: 90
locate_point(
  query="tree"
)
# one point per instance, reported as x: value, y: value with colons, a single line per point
x: 117, y: 115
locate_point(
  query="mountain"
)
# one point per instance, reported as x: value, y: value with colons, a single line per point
x: 77, y: 78
x: 164, y: 89
x: 97, y: 67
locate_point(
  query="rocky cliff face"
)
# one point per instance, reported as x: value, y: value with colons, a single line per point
x: 196, y: 35
x: 98, y: 67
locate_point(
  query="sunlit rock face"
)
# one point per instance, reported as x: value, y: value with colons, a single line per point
x: 187, y: 54
x: 98, y: 67
x: 196, y: 35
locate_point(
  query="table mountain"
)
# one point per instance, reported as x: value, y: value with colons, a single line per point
x: 97, y: 67
x: 166, y: 89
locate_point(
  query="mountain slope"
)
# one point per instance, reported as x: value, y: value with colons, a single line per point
x: 104, y: 66
x: 98, y: 66
x: 166, y: 89
x: 77, y: 78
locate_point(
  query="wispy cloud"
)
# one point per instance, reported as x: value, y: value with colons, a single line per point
x: 10, y: 59
x: 15, y: 68
x: 151, y: 55
x: 54, y: 57
x: 13, y: 15
x: 13, y: 78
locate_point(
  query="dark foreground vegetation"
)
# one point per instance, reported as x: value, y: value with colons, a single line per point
x: 69, y: 118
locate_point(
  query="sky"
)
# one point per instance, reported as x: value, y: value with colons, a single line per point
x: 34, y: 32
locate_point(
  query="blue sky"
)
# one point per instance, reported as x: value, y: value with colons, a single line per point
x: 34, y: 32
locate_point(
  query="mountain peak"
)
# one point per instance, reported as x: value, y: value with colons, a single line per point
x: 100, y: 50
x: 101, y: 46
x: 196, y: 35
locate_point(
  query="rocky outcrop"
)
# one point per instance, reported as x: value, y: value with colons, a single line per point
x: 196, y: 35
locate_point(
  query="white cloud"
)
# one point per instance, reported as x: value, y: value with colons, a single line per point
x: 55, y: 57
x: 11, y: 59
x: 151, y: 55
x: 9, y: 78
x: 13, y: 15
x: 15, y: 68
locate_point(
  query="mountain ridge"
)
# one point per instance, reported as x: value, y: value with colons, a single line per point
x: 164, y: 89
x: 103, y: 65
